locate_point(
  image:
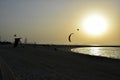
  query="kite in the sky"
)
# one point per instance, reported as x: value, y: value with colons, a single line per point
x: 77, y: 29
x: 69, y: 37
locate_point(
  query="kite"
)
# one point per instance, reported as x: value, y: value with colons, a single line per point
x: 69, y: 37
x: 77, y: 29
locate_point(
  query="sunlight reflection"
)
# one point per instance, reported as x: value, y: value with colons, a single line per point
x: 95, y: 51
x: 110, y: 52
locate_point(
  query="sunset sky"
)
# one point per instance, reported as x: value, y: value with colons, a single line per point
x: 51, y: 21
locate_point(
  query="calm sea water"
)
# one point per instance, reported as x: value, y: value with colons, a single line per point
x: 110, y: 52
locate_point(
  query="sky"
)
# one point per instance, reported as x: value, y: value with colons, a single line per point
x: 51, y: 21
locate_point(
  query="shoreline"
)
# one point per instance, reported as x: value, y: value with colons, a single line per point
x: 58, y: 63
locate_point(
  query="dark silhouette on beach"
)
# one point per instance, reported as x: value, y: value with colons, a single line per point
x: 17, y: 41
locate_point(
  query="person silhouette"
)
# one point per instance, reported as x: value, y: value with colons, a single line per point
x: 17, y: 41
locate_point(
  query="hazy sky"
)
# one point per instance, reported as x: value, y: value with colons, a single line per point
x: 51, y: 21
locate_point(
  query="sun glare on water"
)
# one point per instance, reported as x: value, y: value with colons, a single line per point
x: 95, y: 24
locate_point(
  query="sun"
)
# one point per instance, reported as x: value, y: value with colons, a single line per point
x: 95, y: 24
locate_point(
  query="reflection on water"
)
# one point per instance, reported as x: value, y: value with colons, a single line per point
x: 110, y: 52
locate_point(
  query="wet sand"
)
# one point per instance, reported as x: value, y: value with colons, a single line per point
x: 57, y: 63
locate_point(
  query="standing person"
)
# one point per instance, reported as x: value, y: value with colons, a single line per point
x: 17, y: 41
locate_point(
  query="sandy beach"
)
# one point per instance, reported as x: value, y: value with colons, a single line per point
x: 57, y: 63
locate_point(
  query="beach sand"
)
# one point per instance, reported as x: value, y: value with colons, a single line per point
x: 57, y: 63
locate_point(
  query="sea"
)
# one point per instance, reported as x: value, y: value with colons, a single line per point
x: 109, y: 52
